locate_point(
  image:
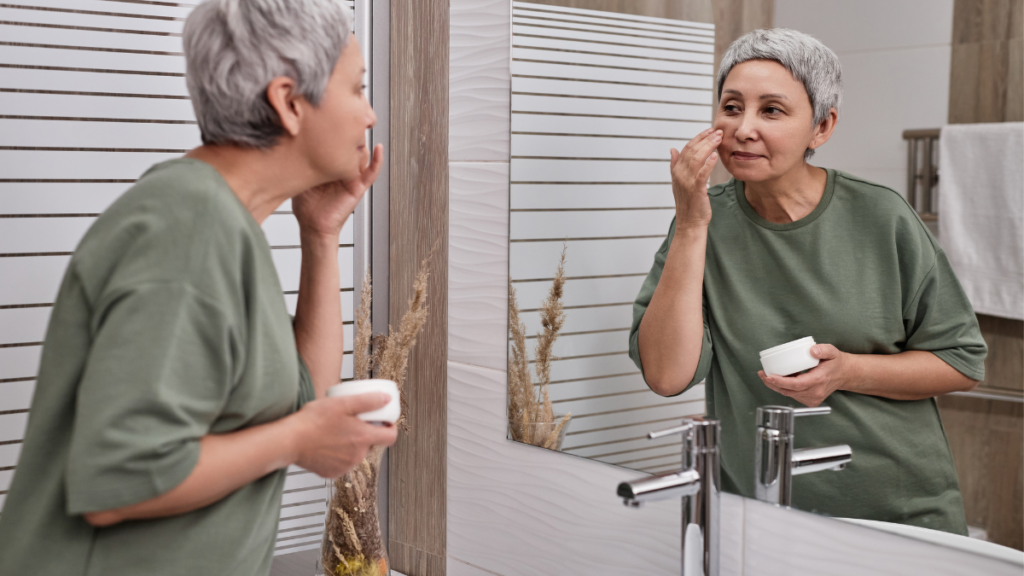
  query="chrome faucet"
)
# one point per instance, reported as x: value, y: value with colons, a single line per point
x: 775, y: 460
x: 698, y: 483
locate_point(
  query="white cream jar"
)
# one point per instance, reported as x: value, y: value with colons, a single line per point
x: 789, y: 358
x: 389, y: 413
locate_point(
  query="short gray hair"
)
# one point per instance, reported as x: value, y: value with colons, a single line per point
x: 234, y: 48
x: 806, y: 58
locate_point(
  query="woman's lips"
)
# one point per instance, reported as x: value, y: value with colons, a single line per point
x: 745, y: 156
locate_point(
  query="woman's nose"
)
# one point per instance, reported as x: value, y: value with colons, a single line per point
x: 746, y: 128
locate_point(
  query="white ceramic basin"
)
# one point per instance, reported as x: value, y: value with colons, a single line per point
x: 946, y: 539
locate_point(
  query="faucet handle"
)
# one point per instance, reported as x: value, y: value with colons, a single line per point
x: 686, y: 427
x: 815, y: 411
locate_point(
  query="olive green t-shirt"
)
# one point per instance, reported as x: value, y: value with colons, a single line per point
x: 860, y: 272
x: 169, y: 325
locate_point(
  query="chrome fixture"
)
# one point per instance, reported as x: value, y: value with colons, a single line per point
x: 698, y: 483
x: 775, y: 460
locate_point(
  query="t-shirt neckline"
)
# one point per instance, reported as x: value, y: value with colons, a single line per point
x: 748, y: 210
x: 223, y: 185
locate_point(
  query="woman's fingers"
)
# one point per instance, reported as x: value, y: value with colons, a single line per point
x: 703, y: 150
x: 709, y: 165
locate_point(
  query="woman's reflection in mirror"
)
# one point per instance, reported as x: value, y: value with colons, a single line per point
x: 786, y: 250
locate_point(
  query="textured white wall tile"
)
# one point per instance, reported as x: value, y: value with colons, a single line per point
x: 730, y: 536
x: 520, y: 510
x: 787, y: 542
x: 869, y: 24
x: 478, y: 264
x: 456, y: 567
x: 479, y: 80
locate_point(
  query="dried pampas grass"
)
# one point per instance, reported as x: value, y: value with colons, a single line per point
x: 352, y: 544
x: 531, y: 416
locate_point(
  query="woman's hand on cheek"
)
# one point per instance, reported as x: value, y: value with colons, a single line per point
x: 812, y: 387
x: 323, y: 210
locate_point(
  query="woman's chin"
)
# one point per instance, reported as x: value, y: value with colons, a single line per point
x: 747, y: 171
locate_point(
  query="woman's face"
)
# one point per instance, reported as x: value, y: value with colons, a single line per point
x: 767, y: 122
x: 334, y: 133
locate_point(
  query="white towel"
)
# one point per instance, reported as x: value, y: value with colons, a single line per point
x: 981, y: 213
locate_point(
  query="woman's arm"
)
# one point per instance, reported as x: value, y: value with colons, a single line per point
x: 910, y: 375
x: 672, y: 329
x: 322, y: 212
x: 324, y: 437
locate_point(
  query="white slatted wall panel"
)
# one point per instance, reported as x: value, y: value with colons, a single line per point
x: 598, y: 98
x: 92, y: 93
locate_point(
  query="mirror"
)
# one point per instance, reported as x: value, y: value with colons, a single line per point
x: 598, y: 99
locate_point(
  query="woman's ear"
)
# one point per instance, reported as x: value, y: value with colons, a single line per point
x: 288, y: 105
x: 824, y: 130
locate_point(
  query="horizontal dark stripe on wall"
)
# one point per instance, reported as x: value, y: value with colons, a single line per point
x: 597, y: 396
x: 88, y: 28
x: 580, y: 356
x: 625, y: 44
x: 48, y: 215
x: 92, y: 49
x: 619, y: 426
x: 93, y: 12
x: 561, y: 334
x: 622, y: 410
x: 592, y: 53
x: 609, y: 67
x: 62, y: 181
x: 610, y: 454
x: 20, y: 345
x: 622, y: 374
x: 708, y: 40
x: 119, y: 120
x: 13, y: 306
x: 583, y: 277
x: 62, y: 149
x: 93, y: 70
x: 613, y: 83
x: 581, y: 306
x: 571, y: 115
x: 612, y: 20
x: 157, y: 3
x: 607, y: 98
x: 629, y: 208
x: 587, y: 239
x: 668, y: 138
x: 105, y: 94
x: 538, y: 14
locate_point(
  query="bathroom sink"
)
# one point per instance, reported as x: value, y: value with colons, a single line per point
x: 946, y: 539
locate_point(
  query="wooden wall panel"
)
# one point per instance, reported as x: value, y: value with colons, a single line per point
x: 734, y: 18
x: 986, y: 80
x: 419, y: 221
x: 987, y: 436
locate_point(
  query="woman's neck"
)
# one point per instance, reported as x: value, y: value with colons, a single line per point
x: 789, y: 197
x: 261, y: 179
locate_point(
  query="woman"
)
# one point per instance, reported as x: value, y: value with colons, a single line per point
x: 173, y: 391
x: 787, y: 250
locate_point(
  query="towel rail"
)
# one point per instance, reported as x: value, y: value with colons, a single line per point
x: 923, y: 171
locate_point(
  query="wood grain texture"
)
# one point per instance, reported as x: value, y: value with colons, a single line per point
x: 986, y: 80
x: 987, y: 436
x: 734, y: 18
x: 987, y: 441
x: 419, y: 222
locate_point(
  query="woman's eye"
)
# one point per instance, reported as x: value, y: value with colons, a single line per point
x: 772, y: 110
x: 730, y: 108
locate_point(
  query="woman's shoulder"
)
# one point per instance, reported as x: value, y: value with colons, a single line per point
x: 882, y: 208
x: 178, y: 222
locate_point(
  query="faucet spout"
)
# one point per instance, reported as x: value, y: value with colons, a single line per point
x: 807, y: 460
x: 664, y: 486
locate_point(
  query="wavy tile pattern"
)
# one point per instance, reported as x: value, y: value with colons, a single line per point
x: 478, y: 263
x: 479, y: 81
x: 519, y: 510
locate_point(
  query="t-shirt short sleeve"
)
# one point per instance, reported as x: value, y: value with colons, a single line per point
x: 160, y: 370
x: 643, y: 300
x: 307, y: 392
x: 939, y: 319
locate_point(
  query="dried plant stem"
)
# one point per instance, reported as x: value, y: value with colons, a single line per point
x: 352, y: 545
x: 363, y: 331
x: 531, y: 417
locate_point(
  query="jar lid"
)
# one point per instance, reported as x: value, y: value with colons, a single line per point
x: 808, y: 341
